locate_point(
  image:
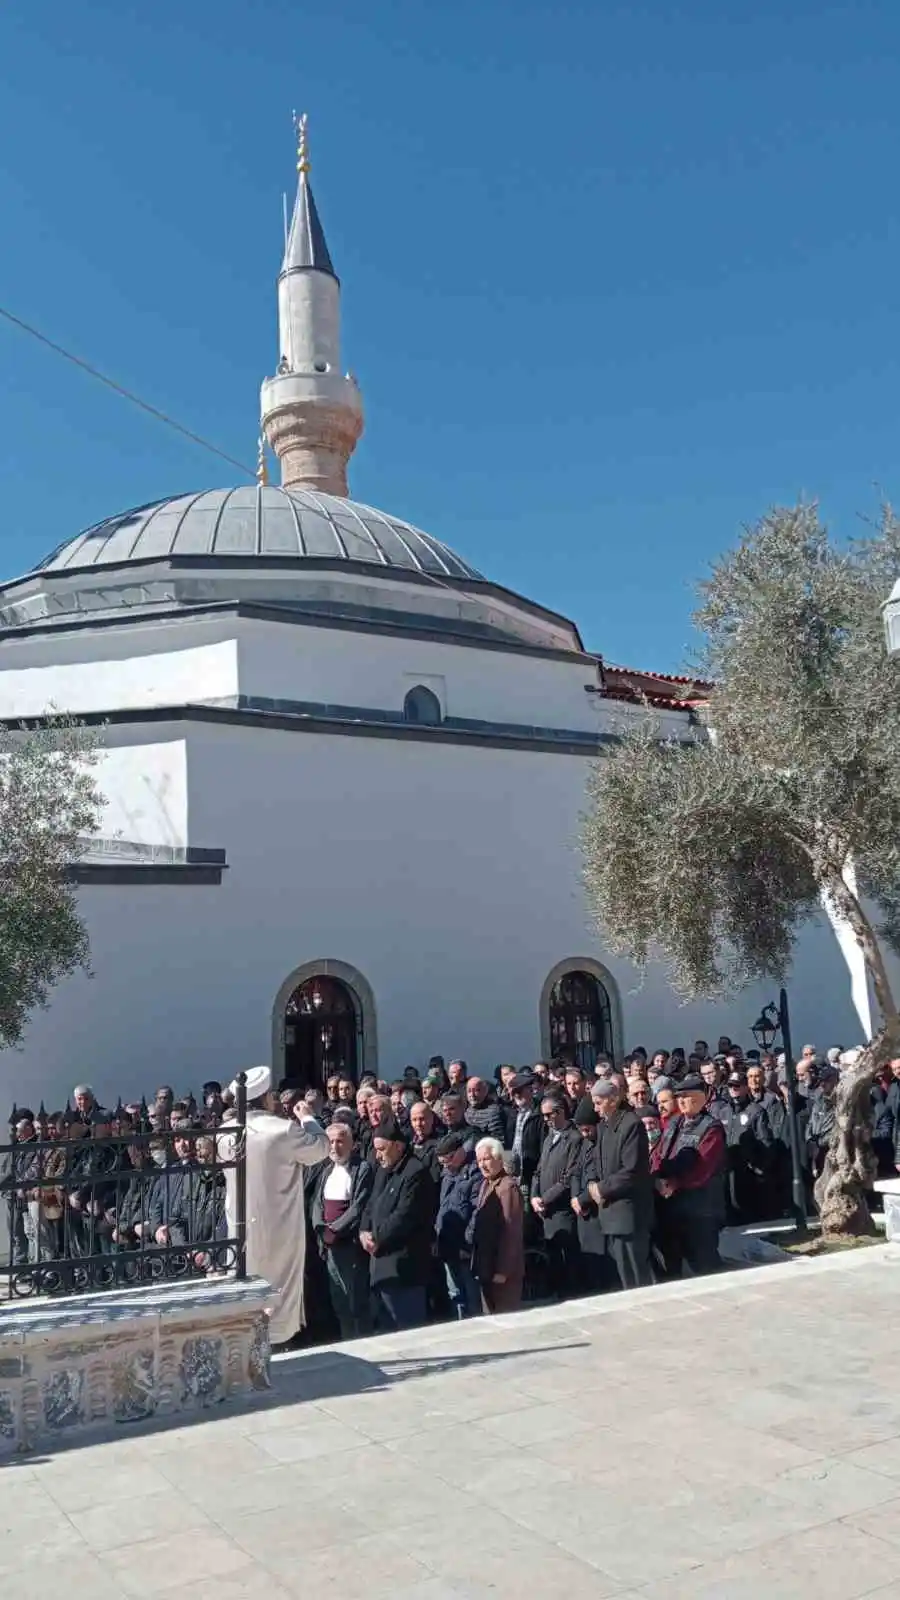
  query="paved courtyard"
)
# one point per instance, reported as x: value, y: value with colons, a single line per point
x: 701, y: 1441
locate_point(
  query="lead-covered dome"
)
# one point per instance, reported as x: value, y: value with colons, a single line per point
x: 257, y: 522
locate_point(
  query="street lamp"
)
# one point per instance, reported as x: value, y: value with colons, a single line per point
x: 775, y: 1019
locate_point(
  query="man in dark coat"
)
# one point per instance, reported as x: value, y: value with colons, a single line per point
x: 551, y: 1194
x: 820, y: 1126
x: 397, y: 1229
x: 452, y: 1112
x: 454, y: 1226
x: 483, y: 1113
x: 526, y: 1134
x: 752, y: 1150
x: 343, y: 1187
x: 689, y: 1165
x: 426, y: 1134
x: 621, y: 1186
x: 596, y: 1270
x: 712, y: 1075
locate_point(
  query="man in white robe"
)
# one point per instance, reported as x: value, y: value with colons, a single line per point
x: 278, y: 1149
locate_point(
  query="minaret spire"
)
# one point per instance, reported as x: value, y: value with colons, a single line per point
x: 311, y: 414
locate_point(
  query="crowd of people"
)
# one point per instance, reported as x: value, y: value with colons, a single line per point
x: 444, y: 1193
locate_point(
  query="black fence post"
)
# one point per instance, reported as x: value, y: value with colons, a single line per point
x: 240, y: 1177
x: 798, y: 1191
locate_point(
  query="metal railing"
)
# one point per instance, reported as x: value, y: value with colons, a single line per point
x: 106, y: 1200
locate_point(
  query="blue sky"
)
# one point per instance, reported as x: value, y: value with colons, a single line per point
x: 617, y: 276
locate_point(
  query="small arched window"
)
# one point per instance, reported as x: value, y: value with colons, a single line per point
x: 421, y: 705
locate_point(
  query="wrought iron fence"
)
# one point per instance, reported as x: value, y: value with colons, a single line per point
x: 105, y: 1200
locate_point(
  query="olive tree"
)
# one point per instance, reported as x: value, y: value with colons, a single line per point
x: 48, y: 803
x: 711, y: 855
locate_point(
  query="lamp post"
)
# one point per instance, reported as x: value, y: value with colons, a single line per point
x: 775, y: 1019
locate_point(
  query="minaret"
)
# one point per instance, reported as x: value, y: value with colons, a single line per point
x: 311, y: 413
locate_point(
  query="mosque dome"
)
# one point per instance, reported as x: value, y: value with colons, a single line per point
x: 257, y: 523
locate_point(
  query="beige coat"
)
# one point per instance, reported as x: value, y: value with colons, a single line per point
x: 277, y: 1152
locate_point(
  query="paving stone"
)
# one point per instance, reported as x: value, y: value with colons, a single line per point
x: 568, y: 1453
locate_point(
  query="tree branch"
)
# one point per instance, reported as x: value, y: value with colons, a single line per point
x: 847, y: 904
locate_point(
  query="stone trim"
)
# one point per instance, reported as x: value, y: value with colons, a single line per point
x: 130, y: 861
x: 287, y: 563
x: 112, y: 872
x: 404, y: 624
x: 486, y: 735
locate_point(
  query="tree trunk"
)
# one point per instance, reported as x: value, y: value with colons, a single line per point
x: 850, y: 1168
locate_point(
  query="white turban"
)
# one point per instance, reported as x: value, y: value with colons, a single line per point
x: 259, y: 1082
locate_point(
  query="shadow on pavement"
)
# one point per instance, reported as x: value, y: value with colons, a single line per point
x: 308, y: 1376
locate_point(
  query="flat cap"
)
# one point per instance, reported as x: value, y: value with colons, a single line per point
x: 452, y: 1142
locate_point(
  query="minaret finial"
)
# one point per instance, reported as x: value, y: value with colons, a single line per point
x: 262, y: 466
x: 300, y: 125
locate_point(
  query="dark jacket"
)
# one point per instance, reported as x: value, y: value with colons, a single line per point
x: 133, y: 1201
x: 171, y: 1194
x: 199, y: 1215
x: 749, y: 1133
x: 426, y: 1152
x: 552, y: 1181
x: 693, y: 1156
x: 821, y: 1121
x: 345, y: 1228
x: 883, y: 1114
x: 621, y: 1168
x: 400, y: 1216
x: 488, y: 1121
x: 587, y: 1223
x: 456, y: 1209
x: 532, y: 1139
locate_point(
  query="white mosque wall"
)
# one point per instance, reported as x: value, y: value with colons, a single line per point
x: 448, y: 876
x: 145, y: 792
x: 376, y: 671
x: 122, y: 678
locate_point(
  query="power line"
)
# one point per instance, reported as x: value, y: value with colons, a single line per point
x: 117, y: 388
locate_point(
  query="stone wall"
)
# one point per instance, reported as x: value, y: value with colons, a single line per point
x: 92, y: 1361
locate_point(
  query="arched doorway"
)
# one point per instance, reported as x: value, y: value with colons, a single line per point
x: 321, y: 1033
x: 323, y: 1021
x: 580, y: 1019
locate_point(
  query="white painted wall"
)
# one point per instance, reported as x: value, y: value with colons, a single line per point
x: 131, y: 639
x: 177, y: 677
x: 447, y: 875
x: 145, y: 788
x: 377, y: 670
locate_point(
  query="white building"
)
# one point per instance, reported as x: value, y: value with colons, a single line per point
x: 343, y: 773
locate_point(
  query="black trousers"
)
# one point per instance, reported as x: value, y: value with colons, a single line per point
x: 347, y: 1267
x: 690, y: 1239
x: 596, y: 1272
x: 630, y: 1254
x: 562, y: 1262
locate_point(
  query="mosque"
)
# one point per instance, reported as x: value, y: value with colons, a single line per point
x: 343, y: 774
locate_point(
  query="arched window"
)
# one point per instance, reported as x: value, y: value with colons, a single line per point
x: 421, y: 705
x: 580, y: 1020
